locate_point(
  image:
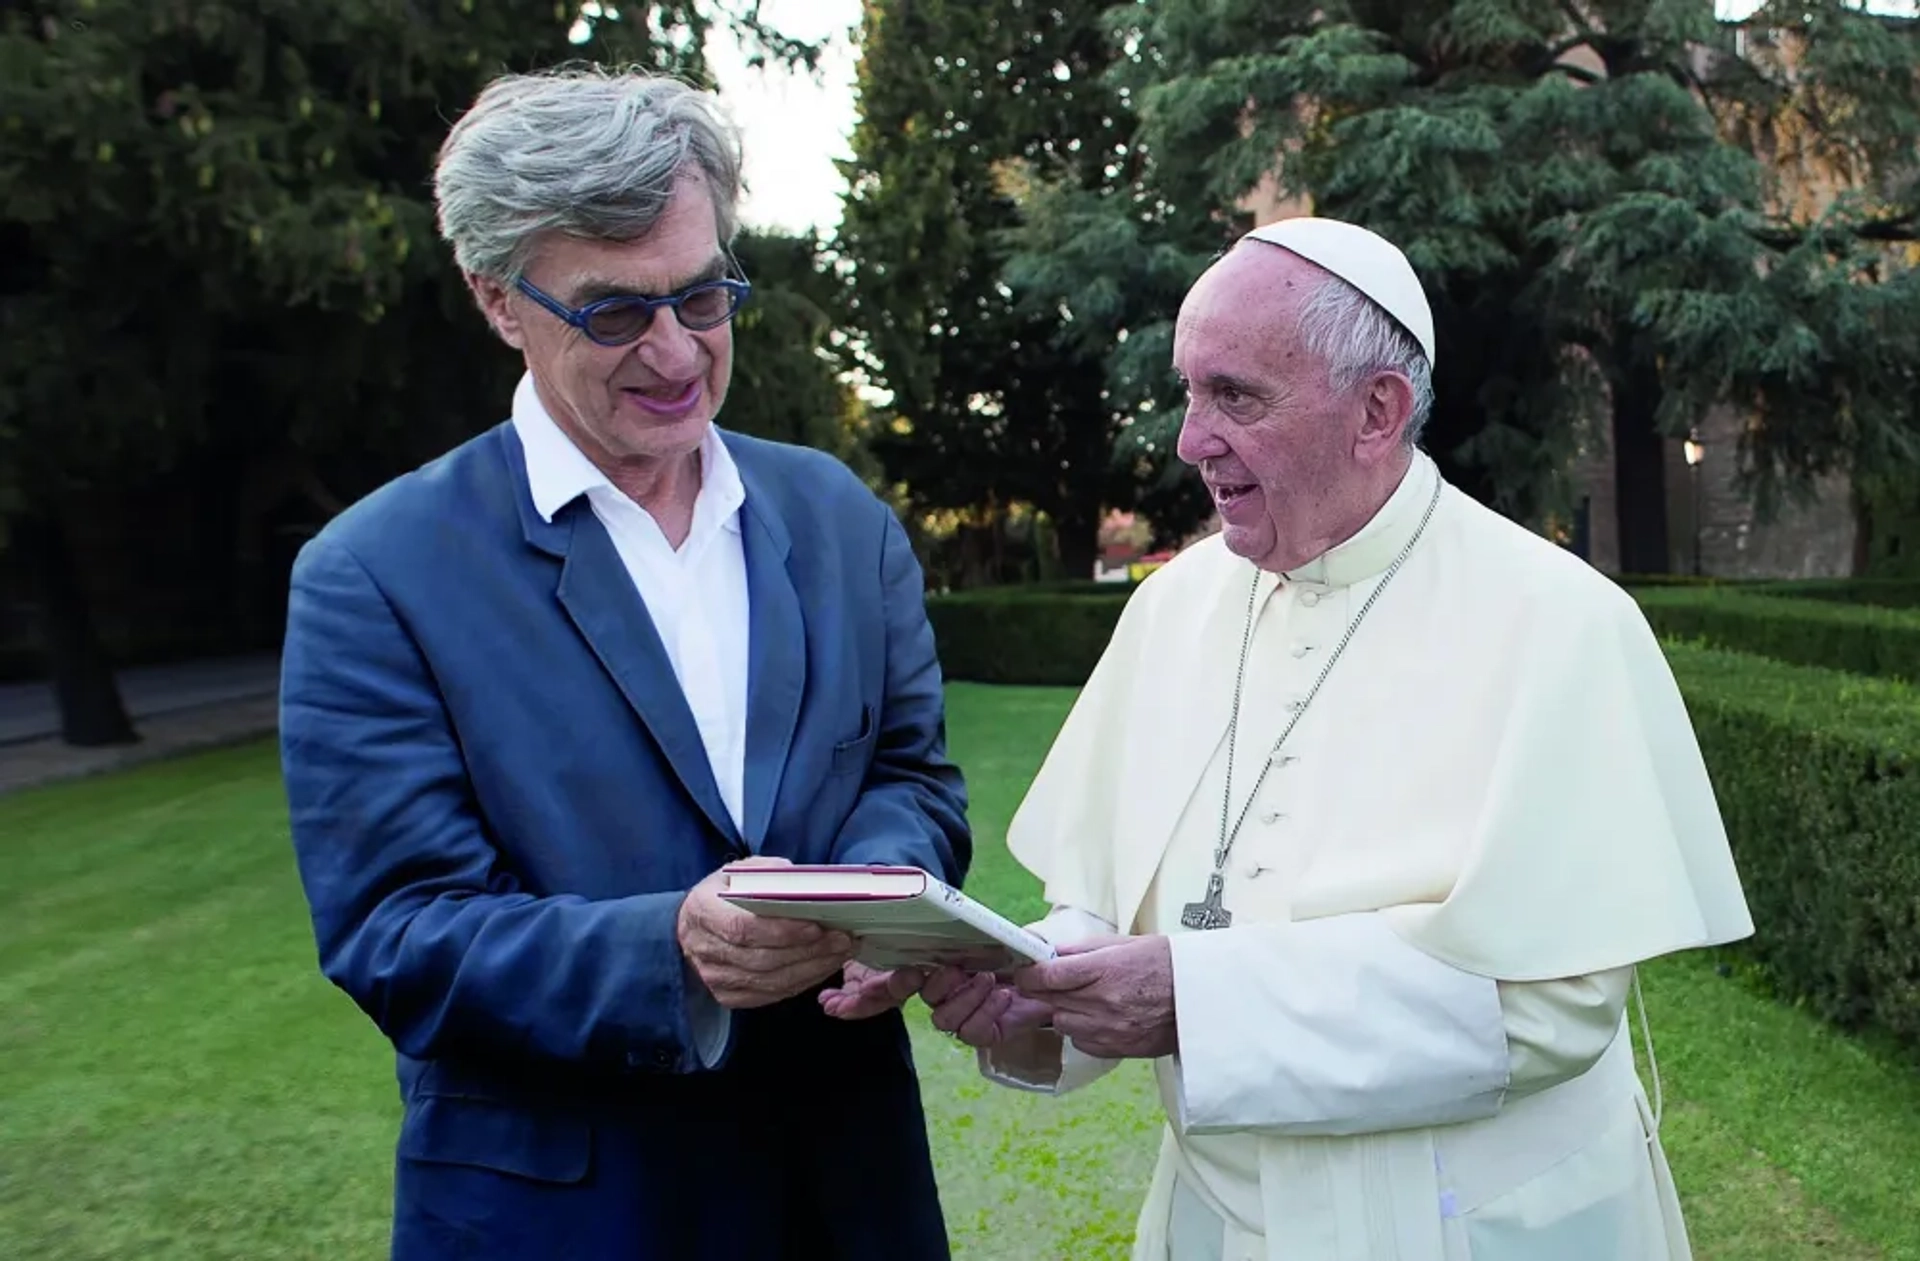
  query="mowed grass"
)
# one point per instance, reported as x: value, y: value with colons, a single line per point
x: 177, y: 1081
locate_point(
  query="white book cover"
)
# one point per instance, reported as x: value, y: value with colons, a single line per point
x: 901, y: 916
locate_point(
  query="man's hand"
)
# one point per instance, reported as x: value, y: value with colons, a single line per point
x: 1112, y: 995
x: 865, y: 991
x: 978, y: 1008
x: 748, y: 961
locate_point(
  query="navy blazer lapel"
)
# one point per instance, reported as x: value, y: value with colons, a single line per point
x: 599, y: 595
x: 777, y: 651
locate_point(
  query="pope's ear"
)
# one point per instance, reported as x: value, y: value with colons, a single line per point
x: 1387, y: 404
x: 495, y: 302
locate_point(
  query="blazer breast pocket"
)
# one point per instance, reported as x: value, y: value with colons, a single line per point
x: 852, y: 756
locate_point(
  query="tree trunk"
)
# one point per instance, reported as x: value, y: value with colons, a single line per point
x: 1862, y: 531
x: 91, y: 711
x: 1076, y: 536
x: 1640, y: 472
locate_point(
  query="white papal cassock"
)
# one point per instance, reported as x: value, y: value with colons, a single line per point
x: 1411, y: 1044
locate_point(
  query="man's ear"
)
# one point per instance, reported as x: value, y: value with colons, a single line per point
x: 1388, y: 406
x: 493, y: 299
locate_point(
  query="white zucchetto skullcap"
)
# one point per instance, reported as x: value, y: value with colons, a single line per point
x: 1366, y: 260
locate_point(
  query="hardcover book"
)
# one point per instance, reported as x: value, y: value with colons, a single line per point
x: 901, y: 916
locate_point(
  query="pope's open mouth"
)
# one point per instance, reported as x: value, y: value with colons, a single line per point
x: 1226, y: 497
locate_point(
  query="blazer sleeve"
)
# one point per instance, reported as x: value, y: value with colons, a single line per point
x: 913, y: 803
x: 414, y: 914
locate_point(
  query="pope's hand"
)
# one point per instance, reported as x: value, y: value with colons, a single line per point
x: 746, y: 960
x: 865, y: 991
x: 1112, y: 995
x: 979, y: 1009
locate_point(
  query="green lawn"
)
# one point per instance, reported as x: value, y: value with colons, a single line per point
x: 176, y: 1080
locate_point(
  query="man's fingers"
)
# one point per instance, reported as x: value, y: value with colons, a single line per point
x: 904, y: 983
x: 744, y: 928
x: 1059, y: 976
x: 1024, y: 1013
x: 868, y: 992
x: 795, y: 977
x: 854, y: 1004
x: 843, y: 1006
x: 827, y: 952
x: 1090, y: 945
x: 1087, y: 1033
x: 982, y: 1028
x: 738, y: 989
x: 748, y: 931
x: 962, y: 1003
x: 940, y: 983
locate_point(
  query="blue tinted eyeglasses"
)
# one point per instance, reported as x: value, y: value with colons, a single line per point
x: 620, y: 320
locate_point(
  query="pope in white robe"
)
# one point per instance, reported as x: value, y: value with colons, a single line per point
x: 1410, y: 1041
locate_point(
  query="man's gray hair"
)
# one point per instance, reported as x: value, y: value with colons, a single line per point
x: 1355, y: 338
x: 583, y: 151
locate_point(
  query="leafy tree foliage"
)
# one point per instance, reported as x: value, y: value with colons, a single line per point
x: 217, y: 244
x: 996, y: 399
x: 790, y: 363
x: 1617, y: 212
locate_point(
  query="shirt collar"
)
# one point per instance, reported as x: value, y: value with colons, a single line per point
x: 558, y: 472
x: 1368, y: 553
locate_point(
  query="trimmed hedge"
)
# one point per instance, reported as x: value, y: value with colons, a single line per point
x: 1017, y: 635
x: 1040, y: 635
x: 1855, y: 638
x: 1886, y: 593
x: 1634, y: 582
x: 1817, y: 773
x: 1817, y: 779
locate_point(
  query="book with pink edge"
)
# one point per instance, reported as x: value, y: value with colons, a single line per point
x: 901, y: 916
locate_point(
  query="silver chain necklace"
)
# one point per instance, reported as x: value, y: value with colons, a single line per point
x: 1208, y: 913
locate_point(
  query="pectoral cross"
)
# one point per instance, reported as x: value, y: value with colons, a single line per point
x: 1208, y: 913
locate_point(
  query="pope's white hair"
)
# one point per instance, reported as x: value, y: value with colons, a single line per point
x: 1356, y: 338
x: 584, y: 151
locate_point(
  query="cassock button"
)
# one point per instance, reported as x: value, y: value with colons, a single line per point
x: 1271, y: 817
x: 1251, y: 869
x: 1309, y: 598
x: 1301, y: 650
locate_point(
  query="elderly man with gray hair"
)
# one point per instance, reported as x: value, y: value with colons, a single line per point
x: 538, y: 692
x: 1362, y: 825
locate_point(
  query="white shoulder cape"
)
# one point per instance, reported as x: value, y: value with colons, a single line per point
x: 1501, y: 764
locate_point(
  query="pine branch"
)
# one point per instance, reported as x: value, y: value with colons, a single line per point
x: 1903, y: 228
x: 1579, y: 20
x: 1579, y: 73
x: 1895, y: 228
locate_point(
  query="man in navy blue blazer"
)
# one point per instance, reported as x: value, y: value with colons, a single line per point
x: 537, y: 692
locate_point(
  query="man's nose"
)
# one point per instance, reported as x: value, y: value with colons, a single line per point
x: 1197, y: 441
x: 668, y: 349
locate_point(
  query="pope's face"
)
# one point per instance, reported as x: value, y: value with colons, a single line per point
x: 645, y: 402
x: 1287, y: 459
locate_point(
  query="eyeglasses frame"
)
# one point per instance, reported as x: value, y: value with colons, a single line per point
x: 579, y: 318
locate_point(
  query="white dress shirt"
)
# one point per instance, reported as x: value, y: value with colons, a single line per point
x: 696, y: 596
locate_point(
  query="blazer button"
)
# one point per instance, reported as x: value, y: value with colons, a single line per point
x: 658, y: 1057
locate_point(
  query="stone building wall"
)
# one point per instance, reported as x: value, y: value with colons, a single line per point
x: 1713, y: 525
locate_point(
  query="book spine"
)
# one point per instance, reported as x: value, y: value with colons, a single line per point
x: 962, y: 907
